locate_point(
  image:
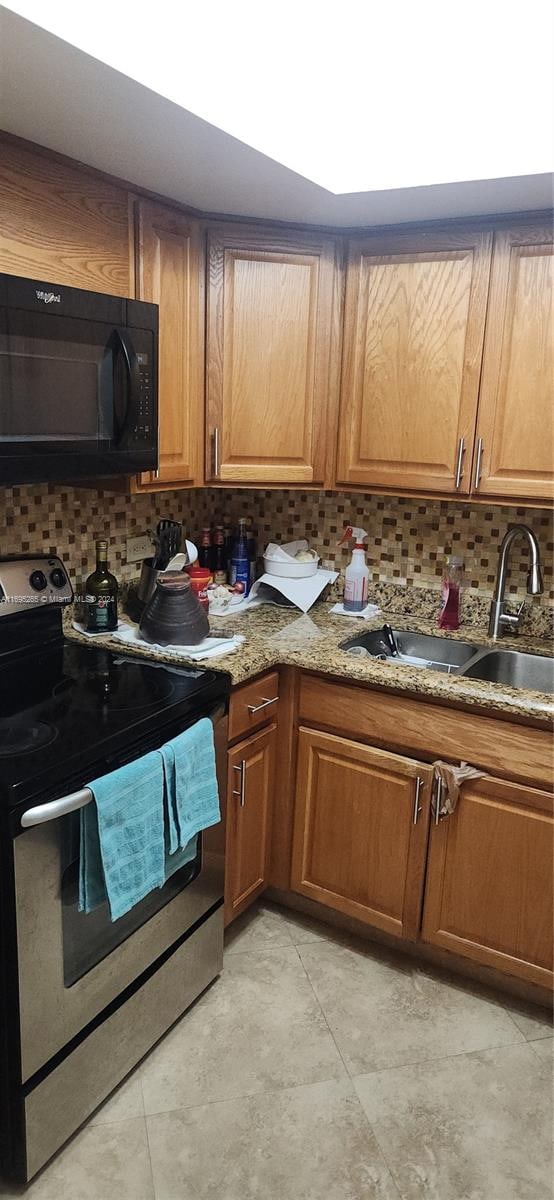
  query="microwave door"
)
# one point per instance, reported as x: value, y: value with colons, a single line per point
x: 56, y: 392
x: 77, y: 397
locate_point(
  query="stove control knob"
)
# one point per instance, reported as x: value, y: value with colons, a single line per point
x: 57, y: 577
x: 38, y: 580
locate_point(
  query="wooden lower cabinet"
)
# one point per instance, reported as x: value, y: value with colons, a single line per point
x: 360, y: 833
x: 489, y: 887
x: 251, y: 768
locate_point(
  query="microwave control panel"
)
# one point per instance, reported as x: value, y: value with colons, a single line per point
x: 142, y: 430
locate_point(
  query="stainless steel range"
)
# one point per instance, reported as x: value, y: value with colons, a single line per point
x: 83, y: 998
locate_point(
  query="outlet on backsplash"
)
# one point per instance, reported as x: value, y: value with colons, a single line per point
x: 139, y: 547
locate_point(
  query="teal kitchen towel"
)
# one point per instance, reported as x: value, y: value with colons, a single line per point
x: 192, y: 798
x: 122, y: 854
x: 174, y: 862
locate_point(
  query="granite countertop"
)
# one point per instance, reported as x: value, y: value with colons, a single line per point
x: 279, y: 637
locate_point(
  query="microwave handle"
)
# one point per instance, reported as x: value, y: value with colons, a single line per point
x: 122, y: 340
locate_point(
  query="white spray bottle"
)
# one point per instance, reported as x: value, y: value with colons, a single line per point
x: 357, y: 573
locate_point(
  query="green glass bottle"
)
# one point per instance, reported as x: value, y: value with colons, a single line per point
x: 101, y: 594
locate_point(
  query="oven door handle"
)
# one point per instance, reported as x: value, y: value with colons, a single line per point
x: 75, y: 800
x: 56, y: 808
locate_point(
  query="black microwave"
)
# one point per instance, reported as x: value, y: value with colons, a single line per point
x: 78, y: 383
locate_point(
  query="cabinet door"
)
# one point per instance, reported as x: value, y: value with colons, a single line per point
x: 414, y: 328
x: 61, y: 225
x: 489, y: 890
x: 516, y: 407
x: 360, y: 832
x: 170, y: 275
x: 249, y: 800
x: 272, y: 357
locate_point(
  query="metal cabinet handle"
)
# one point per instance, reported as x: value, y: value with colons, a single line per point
x: 417, y: 805
x: 438, y: 800
x: 217, y: 464
x: 241, y: 768
x: 254, y: 708
x: 459, y: 460
x: 478, y: 463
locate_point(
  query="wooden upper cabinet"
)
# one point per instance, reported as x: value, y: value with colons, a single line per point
x: 489, y: 889
x: 360, y: 834
x: 516, y: 407
x: 272, y: 357
x: 413, y: 340
x: 170, y: 274
x: 62, y: 225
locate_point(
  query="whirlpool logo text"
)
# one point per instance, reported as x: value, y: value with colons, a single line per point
x: 48, y: 297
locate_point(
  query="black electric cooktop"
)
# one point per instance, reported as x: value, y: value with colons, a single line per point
x: 66, y: 707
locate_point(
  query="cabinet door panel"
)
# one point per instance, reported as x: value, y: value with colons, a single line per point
x: 356, y: 845
x: 62, y: 225
x: 170, y: 275
x: 249, y: 798
x: 270, y: 333
x: 516, y: 407
x: 414, y: 327
x: 489, y: 889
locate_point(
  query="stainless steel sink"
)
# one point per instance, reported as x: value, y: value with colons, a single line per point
x: 473, y: 661
x: 419, y: 649
x: 517, y: 670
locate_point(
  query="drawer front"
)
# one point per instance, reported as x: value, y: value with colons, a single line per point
x: 253, y: 705
x: 428, y: 731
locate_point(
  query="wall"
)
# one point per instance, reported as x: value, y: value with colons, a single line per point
x: 408, y: 540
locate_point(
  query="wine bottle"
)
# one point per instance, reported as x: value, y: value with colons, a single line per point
x: 101, y: 594
x: 205, y: 553
x: 220, y: 557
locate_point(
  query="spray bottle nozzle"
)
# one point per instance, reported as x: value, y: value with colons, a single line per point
x: 352, y: 531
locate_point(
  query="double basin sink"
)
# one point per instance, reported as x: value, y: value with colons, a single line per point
x: 511, y: 667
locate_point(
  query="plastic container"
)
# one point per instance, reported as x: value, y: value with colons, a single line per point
x: 200, y: 580
x: 291, y: 569
x: 452, y: 581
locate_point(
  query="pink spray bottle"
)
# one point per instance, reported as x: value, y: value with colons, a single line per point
x: 449, y: 616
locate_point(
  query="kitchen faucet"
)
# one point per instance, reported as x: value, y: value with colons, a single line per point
x: 498, y: 616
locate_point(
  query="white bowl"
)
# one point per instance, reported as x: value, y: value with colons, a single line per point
x: 292, y: 569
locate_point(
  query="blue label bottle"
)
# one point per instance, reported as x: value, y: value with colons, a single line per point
x: 240, y: 562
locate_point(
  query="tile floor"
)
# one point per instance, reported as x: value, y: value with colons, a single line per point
x: 320, y: 1067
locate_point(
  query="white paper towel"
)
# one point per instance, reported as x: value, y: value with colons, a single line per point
x: 370, y: 610
x: 301, y: 592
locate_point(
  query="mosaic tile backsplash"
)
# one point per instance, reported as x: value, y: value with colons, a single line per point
x: 408, y: 538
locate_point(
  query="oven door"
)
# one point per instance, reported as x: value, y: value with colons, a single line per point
x: 78, y: 397
x: 72, y: 965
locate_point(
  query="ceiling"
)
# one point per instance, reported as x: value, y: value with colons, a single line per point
x: 56, y: 95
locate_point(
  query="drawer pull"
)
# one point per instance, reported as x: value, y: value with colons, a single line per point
x: 241, y: 768
x: 254, y: 708
x: 417, y: 805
